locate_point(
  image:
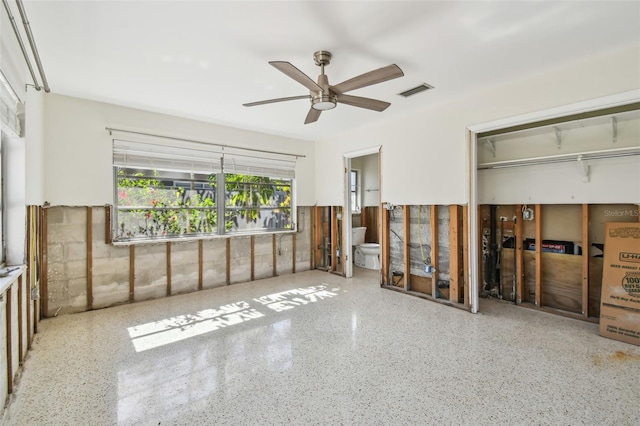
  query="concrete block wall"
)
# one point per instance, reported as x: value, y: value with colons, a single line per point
x: 66, y: 259
x: 110, y: 265
x: 67, y: 248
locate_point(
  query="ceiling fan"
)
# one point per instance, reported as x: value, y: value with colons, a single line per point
x: 324, y: 96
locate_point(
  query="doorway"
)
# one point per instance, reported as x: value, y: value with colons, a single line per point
x: 361, y: 201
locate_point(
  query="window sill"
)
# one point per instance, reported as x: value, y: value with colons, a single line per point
x: 7, y: 281
x: 186, y: 239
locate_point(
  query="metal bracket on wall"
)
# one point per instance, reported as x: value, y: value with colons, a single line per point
x: 492, y: 147
x: 558, y: 136
x: 614, y: 127
x: 583, y: 168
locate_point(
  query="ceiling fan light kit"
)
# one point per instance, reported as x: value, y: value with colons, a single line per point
x: 323, y: 96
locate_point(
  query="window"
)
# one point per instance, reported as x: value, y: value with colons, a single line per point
x: 355, y: 191
x: 2, y: 216
x: 181, y: 191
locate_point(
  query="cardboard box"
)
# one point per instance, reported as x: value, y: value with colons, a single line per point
x: 620, y: 299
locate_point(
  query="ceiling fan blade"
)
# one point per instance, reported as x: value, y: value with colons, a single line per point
x: 367, y: 79
x: 312, y: 116
x: 296, y: 74
x: 271, y: 101
x: 367, y: 103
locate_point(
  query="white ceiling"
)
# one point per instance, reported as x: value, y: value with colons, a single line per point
x: 203, y: 60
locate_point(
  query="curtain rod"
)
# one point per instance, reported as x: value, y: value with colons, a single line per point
x: 21, y: 44
x: 111, y: 130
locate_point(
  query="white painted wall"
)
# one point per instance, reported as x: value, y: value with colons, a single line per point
x: 78, y: 150
x: 370, y: 181
x: 425, y: 154
x: 610, y: 181
x: 34, y: 142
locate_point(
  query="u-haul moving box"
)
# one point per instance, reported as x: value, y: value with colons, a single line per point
x: 620, y: 301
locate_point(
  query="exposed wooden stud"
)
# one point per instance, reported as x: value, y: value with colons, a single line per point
x: 519, y: 254
x: 9, y: 339
x: 89, y: 240
x: 28, y: 306
x: 107, y: 224
x: 274, y: 254
x: 200, y: 268
x: 20, y: 355
x: 480, y: 259
x: 363, y: 218
x: 384, y: 246
x: 465, y: 255
x: 168, y: 268
x: 228, y: 261
x: 435, y: 261
x: 334, y: 238
x: 538, y: 218
x: 406, y: 213
x: 313, y: 246
x: 585, y: 260
x: 293, y: 254
x: 28, y: 274
x: 317, y: 240
x: 44, y: 241
x: 454, y: 255
x: 253, y: 257
x: 132, y: 273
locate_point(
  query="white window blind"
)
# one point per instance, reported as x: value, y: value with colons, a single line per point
x: 139, y: 155
x: 266, y: 166
x: 146, y: 152
x: 9, y: 117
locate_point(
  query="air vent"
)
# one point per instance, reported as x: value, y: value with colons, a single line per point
x: 423, y: 87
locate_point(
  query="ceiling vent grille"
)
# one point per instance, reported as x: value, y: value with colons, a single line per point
x: 414, y: 91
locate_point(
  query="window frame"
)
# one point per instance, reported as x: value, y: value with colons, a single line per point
x: 356, y: 191
x: 220, y: 209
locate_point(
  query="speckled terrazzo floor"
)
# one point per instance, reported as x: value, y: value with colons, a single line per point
x: 335, y: 351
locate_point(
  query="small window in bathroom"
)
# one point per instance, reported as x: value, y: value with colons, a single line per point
x: 355, y: 185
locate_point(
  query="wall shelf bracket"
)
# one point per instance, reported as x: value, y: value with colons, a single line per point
x: 614, y: 127
x: 583, y: 168
x: 558, y: 136
x: 492, y: 146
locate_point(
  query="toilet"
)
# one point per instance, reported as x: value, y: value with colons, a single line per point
x: 366, y: 255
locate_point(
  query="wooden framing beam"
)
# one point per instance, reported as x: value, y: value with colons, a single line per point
x: 293, y: 252
x: 317, y: 236
x: 519, y: 254
x: 538, y: 255
x: 585, y: 260
x: 132, y: 273
x: 228, y: 260
x: 200, y: 266
x: 406, y: 214
x: 274, y: 254
x: 44, y: 241
x: 28, y: 274
x: 9, y: 340
x: 168, y: 268
x: 434, y: 250
x: 454, y: 255
x: 89, y: 240
x: 334, y: 238
x: 465, y: 256
x: 20, y: 343
x: 384, y: 246
x: 480, y: 259
x: 253, y: 255
x: 107, y: 224
x: 28, y: 287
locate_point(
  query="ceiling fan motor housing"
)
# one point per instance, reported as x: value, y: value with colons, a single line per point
x: 326, y: 99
